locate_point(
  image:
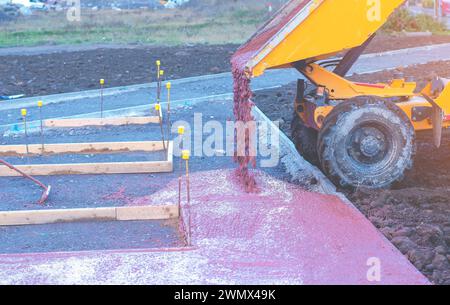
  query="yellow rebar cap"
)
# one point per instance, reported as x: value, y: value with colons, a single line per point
x: 102, y: 81
x: 180, y: 130
x: 158, y: 63
x: 24, y: 112
x: 168, y: 85
x: 161, y: 72
x: 40, y: 103
x: 185, y: 154
x: 157, y: 107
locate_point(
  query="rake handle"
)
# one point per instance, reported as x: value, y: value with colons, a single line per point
x: 23, y: 174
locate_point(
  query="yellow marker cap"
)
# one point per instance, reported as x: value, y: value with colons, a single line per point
x: 168, y: 85
x: 157, y: 107
x: 180, y: 130
x: 102, y: 81
x: 185, y: 154
x: 158, y: 63
x: 161, y: 72
x: 24, y: 112
x: 40, y: 103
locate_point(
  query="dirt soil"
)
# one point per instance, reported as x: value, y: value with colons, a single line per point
x: 415, y: 214
x: 58, y: 69
x: 67, y: 71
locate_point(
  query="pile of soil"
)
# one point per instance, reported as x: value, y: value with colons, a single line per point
x: 57, y: 69
x: 415, y: 213
x: 383, y: 43
x: 67, y: 71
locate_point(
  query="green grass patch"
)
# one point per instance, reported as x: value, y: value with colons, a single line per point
x: 403, y: 20
x: 167, y: 27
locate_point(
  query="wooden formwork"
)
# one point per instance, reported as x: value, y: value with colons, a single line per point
x: 89, y: 168
x: 47, y: 216
x: 35, y: 217
x: 32, y: 217
x: 115, y: 121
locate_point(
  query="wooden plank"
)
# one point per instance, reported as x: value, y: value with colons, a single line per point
x: 147, y: 212
x: 79, y: 148
x: 119, y: 121
x: 89, y: 168
x: 34, y: 217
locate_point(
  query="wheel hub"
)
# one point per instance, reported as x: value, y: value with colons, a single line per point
x: 368, y: 145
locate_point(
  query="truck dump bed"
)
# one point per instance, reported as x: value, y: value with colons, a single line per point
x: 312, y: 30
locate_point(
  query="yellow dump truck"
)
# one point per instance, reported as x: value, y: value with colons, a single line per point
x: 359, y: 134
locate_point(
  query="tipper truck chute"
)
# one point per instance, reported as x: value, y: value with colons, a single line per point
x: 359, y: 134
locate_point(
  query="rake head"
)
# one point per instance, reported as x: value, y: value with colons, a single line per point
x: 45, y: 195
x: 46, y: 188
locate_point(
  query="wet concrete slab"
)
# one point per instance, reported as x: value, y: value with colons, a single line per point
x: 280, y: 235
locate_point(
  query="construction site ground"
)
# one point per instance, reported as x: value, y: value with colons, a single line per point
x: 283, y: 234
x: 57, y: 69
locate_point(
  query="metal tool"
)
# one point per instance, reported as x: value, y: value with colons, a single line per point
x: 46, y: 188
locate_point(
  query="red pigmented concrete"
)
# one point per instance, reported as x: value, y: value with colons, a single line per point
x: 243, y: 113
x: 242, y: 91
x: 280, y: 235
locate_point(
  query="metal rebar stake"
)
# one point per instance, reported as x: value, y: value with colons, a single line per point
x: 168, y: 86
x: 185, y: 155
x: 42, y: 126
x: 158, y: 109
x: 24, y: 116
x: 189, y: 203
x: 102, y: 83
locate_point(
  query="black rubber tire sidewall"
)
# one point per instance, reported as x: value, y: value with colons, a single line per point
x: 343, y: 120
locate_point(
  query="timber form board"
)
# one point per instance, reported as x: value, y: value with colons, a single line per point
x: 115, y: 121
x: 89, y: 168
x: 35, y: 217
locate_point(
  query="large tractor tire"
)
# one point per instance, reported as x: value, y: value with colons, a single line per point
x: 305, y: 140
x: 366, y: 142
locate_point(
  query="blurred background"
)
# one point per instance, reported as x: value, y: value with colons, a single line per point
x: 33, y: 22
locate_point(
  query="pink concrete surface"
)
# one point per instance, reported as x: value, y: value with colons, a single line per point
x: 281, y: 235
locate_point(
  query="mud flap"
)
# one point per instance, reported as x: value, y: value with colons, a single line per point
x: 435, y: 88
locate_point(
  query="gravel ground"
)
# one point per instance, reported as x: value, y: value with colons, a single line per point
x: 414, y: 214
x: 109, y: 235
x: 75, y: 191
